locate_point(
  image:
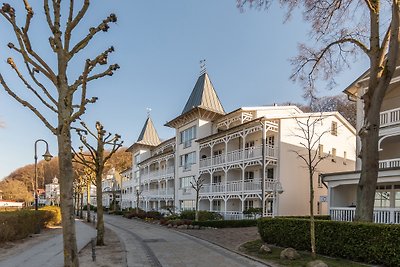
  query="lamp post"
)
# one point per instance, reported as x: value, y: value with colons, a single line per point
x: 47, y: 157
x: 137, y: 199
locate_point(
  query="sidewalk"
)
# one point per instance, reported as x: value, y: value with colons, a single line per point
x: 50, y: 253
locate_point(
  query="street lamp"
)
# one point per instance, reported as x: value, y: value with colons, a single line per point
x: 47, y: 157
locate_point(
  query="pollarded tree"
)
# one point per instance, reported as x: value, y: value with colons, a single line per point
x: 342, y: 28
x: 95, y: 159
x: 54, y: 87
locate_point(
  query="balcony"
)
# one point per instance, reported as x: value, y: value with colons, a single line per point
x: 390, y: 117
x: 381, y: 215
x: 238, y: 156
x: 391, y: 163
x: 237, y: 186
x: 162, y: 192
x: 169, y: 171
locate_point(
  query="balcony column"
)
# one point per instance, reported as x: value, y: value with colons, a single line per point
x: 225, y: 204
x: 226, y: 181
x: 158, y: 187
x: 242, y: 156
x: 226, y: 150
x: 211, y: 201
x: 264, y: 141
x: 211, y: 156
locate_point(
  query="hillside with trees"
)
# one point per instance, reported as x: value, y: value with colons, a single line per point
x: 24, y: 176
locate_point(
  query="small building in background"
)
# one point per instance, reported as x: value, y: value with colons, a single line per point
x: 52, y: 193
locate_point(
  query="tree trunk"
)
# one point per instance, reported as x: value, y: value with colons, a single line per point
x: 312, y: 220
x: 100, y: 211
x: 88, y: 202
x: 368, y: 179
x: 81, y: 207
x: 78, y: 200
x: 196, y: 216
x: 66, y: 199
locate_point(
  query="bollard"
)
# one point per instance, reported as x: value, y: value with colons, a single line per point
x: 93, y: 249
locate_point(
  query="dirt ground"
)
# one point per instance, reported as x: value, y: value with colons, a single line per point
x: 110, y: 255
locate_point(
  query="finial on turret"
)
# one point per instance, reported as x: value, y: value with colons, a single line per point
x: 148, y: 112
x: 202, y: 66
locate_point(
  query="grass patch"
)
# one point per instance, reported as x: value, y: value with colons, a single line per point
x: 253, y: 248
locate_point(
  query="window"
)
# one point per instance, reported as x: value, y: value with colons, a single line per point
x: 333, y: 154
x: 217, y: 152
x: 249, y: 144
x: 248, y: 204
x: 334, y: 128
x: 382, y: 199
x: 187, y: 205
x: 187, y: 160
x: 321, y: 150
x: 249, y: 175
x: 217, y: 205
x: 187, y: 136
x: 137, y: 159
x: 319, y: 181
x: 397, y: 199
x: 217, y: 179
x: 270, y: 140
x: 184, y: 182
x: 270, y: 173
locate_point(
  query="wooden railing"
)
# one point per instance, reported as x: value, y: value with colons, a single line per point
x: 381, y: 215
x: 238, y: 155
x: 390, y: 117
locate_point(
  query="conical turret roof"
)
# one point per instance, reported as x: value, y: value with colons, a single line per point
x: 204, y: 96
x: 148, y: 135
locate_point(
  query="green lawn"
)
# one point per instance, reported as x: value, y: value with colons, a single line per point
x: 253, y: 248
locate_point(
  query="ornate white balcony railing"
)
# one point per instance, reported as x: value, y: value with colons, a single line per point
x: 390, y: 163
x: 158, y: 192
x: 237, y: 186
x: 390, y: 117
x: 158, y: 174
x: 381, y: 215
x: 238, y: 155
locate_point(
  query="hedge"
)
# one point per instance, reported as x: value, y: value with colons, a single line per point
x: 16, y: 225
x: 227, y: 223
x: 204, y: 215
x: 366, y: 242
x: 53, y: 216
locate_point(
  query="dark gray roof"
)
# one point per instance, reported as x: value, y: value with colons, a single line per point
x: 204, y: 96
x: 148, y: 135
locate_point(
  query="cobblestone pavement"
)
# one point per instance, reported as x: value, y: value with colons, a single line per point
x: 230, y: 238
x: 153, y: 245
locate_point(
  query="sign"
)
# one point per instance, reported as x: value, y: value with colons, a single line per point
x: 323, y: 198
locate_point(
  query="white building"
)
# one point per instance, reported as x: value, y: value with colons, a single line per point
x: 229, y: 152
x: 111, y: 186
x: 52, y: 193
x: 343, y: 186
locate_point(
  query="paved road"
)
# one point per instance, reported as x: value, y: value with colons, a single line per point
x: 50, y: 253
x: 153, y: 245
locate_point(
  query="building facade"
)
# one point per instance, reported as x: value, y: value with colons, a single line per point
x: 343, y: 186
x: 247, y: 158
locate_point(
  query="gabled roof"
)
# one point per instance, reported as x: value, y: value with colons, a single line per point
x: 148, y: 135
x: 204, y: 96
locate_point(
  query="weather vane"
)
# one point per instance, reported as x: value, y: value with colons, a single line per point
x: 202, y: 66
x: 148, y: 112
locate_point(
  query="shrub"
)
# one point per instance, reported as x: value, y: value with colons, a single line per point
x: 227, y: 223
x: 91, y: 207
x: 53, y: 215
x: 204, y: 215
x: 20, y: 224
x: 367, y: 242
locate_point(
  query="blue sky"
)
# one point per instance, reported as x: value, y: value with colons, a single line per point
x: 159, y: 45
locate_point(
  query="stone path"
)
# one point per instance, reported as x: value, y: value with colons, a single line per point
x: 154, y: 245
x: 50, y: 252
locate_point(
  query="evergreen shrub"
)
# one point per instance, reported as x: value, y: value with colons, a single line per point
x: 227, y: 223
x: 366, y: 242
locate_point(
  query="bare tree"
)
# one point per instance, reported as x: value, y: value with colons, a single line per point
x: 341, y: 29
x: 89, y: 178
x: 54, y: 90
x: 95, y: 159
x: 197, y: 183
x: 309, y: 133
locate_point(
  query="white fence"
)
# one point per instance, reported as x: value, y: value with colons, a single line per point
x: 390, y: 163
x: 381, y: 215
x: 390, y: 117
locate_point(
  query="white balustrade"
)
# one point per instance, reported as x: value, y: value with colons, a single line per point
x: 238, y: 186
x: 238, y: 155
x: 390, y: 117
x: 231, y: 215
x: 390, y: 163
x: 381, y: 215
